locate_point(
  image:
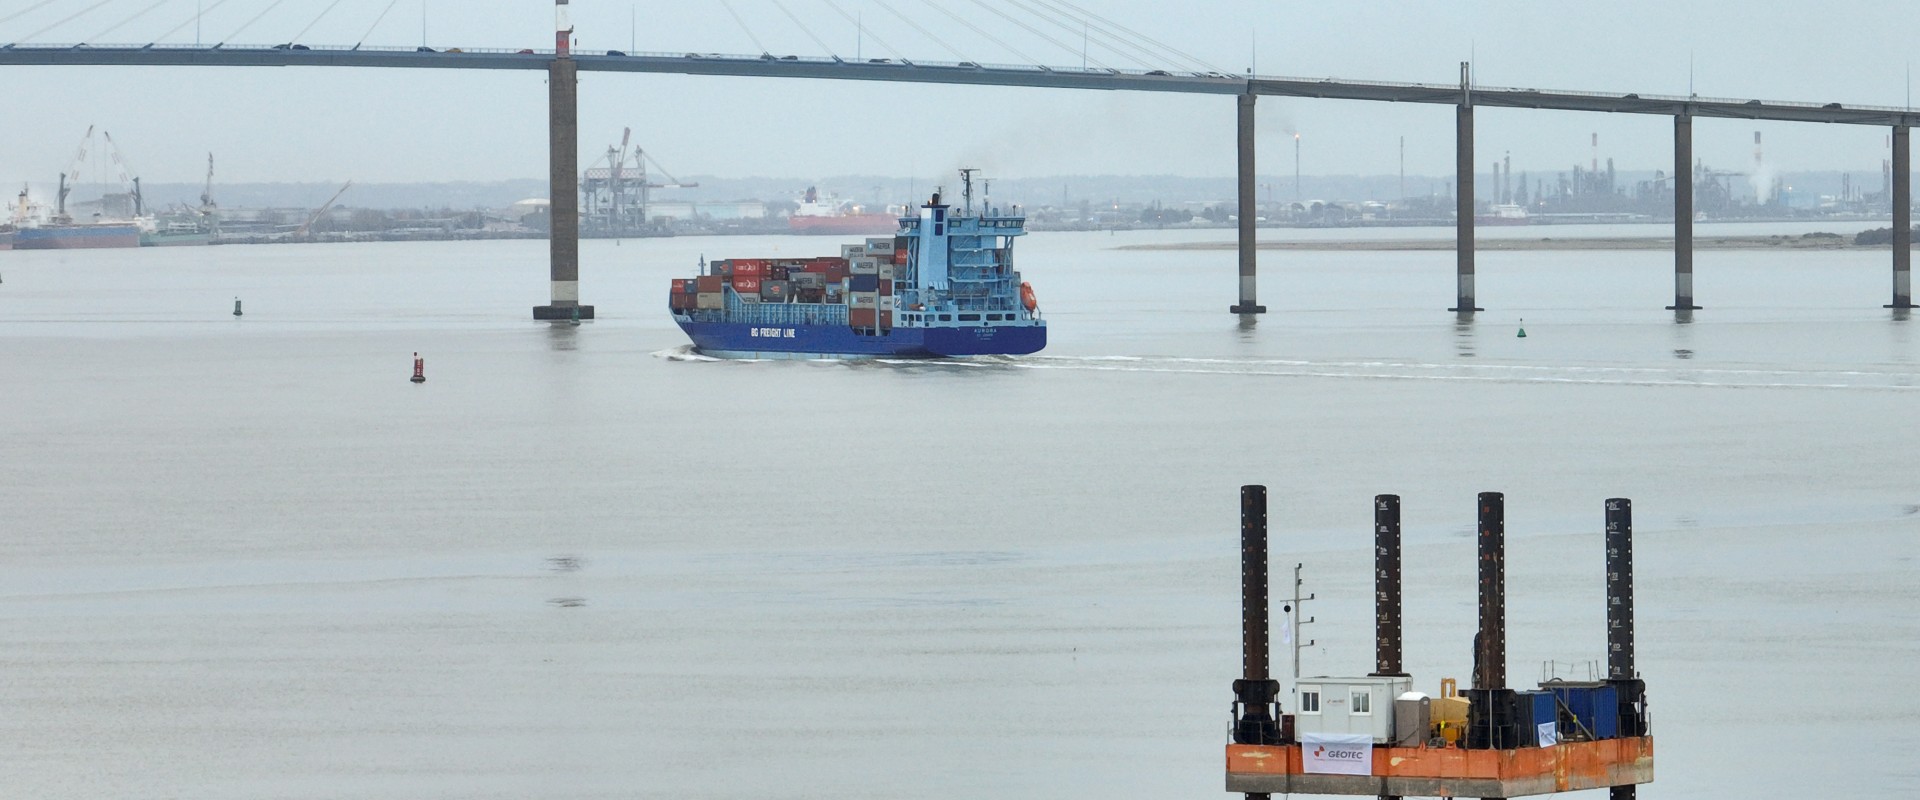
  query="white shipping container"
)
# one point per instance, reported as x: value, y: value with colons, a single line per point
x: 1349, y: 705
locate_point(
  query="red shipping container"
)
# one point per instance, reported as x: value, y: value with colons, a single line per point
x: 886, y: 286
x: 710, y: 283
x: 864, y: 318
x: 682, y: 286
x: 746, y: 285
x: 900, y: 256
x: 749, y: 269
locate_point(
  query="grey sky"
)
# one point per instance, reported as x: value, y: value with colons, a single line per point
x: 268, y: 124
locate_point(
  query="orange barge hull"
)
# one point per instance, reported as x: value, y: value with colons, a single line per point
x: 1450, y: 772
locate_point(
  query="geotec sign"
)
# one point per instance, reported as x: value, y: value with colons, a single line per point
x: 1336, y: 753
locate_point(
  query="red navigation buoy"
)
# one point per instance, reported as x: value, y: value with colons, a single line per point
x: 419, y: 369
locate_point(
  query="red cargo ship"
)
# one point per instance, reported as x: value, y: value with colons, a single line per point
x: 829, y: 216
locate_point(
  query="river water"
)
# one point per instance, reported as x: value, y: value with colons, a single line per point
x: 246, y: 558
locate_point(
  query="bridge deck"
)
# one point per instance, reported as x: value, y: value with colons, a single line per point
x: 966, y: 73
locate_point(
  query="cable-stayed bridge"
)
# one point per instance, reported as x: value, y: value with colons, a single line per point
x: 562, y: 63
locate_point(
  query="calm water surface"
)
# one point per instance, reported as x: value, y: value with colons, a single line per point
x: 245, y: 558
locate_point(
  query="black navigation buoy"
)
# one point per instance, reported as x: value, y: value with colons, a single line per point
x: 419, y: 369
x: 236, y: 306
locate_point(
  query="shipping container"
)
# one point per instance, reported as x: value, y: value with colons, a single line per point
x: 1595, y: 709
x: 852, y: 251
x: 749, y: 269
x: 683, y: 285
x: 900, y: 256
x: 867, y: 318
x: 886, y: 286
x: 887, y: 303
x: 886, y: 271
x: 880, y: 247
x: 863, y: 283
x: 774, y: 290
x: 746, y: 285
x: 710, y: 301
x: 808, y: 280
x: 709, y: 284
x: 863, y: 300
x: 1533, y: 710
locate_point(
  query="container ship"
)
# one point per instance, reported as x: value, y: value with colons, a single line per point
x: 943, y: 285
x: 827, y: 216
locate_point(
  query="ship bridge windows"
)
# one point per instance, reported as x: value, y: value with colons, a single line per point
x: 969, y: 317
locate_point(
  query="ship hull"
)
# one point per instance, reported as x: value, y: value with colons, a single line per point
x: 77, y: 237
x: 175, y: 239
x: 743, y: 340
x: 850, y: 225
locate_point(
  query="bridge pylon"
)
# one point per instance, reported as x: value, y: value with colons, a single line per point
x: 563, y: 171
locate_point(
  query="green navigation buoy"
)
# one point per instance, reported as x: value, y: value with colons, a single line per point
x: 1523, y: 330
x: 236, y: 306
x: 575, y: 320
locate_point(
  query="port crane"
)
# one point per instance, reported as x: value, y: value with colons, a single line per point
x: 66, y: 187
x: 207, y: 206
x: 302, y: 231
x: 607, y: 208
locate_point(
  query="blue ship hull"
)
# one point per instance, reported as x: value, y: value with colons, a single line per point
x: 76, y: 237
x: 742, y: 340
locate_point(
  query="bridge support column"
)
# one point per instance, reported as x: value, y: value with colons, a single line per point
x: 1902, y: 220
x: 1463, y: 199
x: 1683, y: 214
x: 1248, y: 211
x: 563, y: 172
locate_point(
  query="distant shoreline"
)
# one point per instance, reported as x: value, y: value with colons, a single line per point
x: 1808, y: 242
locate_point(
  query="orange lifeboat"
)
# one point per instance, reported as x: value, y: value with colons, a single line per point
x: 1026, y: 297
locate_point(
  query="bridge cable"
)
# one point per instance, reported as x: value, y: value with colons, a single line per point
x: 976, y: 29
x: 197, y: 16
x: 743, y: 26
x: 1085, y: 29
x: 376, y: 22
x: 256, y: 18
x: 1035, y: 31
x: 316, y: 21
x: 1107, y: 38
x: 65, y: 20
x: 923, y: 31
x: 862, y: 28
x: 1146, y: 55
x: 1138, y: 35
x: 916, y: 26
x: 802, y: 26
x: 22, y: 12
x: 122, y: 23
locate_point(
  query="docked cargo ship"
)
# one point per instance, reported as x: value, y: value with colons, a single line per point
x: 77, y: 236
x: 943, y: 285
x: 828, y: 216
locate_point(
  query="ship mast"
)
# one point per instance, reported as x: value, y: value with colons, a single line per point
x: 966, y: 187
